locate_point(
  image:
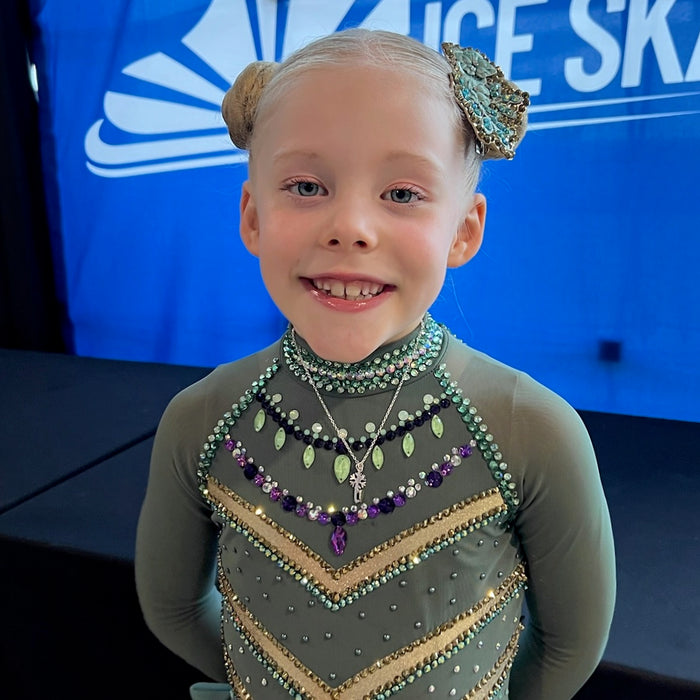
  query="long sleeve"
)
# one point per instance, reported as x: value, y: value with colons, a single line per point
x: 565, y: 531
x: 176, y: 544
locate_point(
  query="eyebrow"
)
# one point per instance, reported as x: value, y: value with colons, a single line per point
x: 416, y: 158
x: 283, y: 155
x: 392, y: 157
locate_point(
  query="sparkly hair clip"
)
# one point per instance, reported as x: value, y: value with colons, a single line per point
x: 493, y: 105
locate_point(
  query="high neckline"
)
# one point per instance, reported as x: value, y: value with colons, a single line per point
x: 377, y: 372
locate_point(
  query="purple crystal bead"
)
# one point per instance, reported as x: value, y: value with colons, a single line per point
x: 242, y: 461
x: 229, y: 445
x: 465, y: 450
x: 352, y: 518
x: 446, y: 468
x: 338, y: 518
x: 339, y: 539
x: 275, y: 493
x: 324, y: 518
x: 289, y: 503
x: 301, y: 510
x: 249, y: 471
x: 433, y: 479
x: 259, y: 479
x: 399, y: 500
x: 372, y: 511
x: 386, y: 505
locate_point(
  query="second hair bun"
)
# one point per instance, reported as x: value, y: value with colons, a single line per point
x: 241, y: 101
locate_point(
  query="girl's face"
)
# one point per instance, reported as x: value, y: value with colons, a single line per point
x: 356, y: 205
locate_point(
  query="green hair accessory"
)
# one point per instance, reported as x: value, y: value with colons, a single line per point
x: 494, y: 106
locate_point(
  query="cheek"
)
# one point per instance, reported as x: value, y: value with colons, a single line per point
x: 431, y: 245
x: 426, y: 263
x: 279, y: 254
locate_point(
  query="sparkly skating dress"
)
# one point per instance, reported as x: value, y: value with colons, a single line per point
x: 255, y: 564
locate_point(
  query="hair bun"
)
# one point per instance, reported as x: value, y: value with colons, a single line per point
x: 241, y: 101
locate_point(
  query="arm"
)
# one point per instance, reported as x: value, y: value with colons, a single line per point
x: 564, y: 526
x: 176, y: 544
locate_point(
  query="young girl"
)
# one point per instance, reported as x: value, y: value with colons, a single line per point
x: 369, y: 508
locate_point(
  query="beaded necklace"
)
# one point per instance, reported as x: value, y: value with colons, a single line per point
x: 358, y: 480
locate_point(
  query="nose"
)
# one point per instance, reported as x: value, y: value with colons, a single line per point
x: 352, y: 226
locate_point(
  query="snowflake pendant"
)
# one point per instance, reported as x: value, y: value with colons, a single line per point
x: 358, y: 481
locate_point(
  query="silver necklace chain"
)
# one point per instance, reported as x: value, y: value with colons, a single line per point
x: 358, y: 479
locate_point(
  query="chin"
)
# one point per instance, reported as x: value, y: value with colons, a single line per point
x: 347, y: 346
x: 344, y: 354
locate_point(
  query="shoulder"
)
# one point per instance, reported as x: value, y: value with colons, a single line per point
x: 195, y: 410
x: 538, y: 426
x: 499, y: 388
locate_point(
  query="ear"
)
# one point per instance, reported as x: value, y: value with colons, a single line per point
x: 249, y: 226
x: 470, y: 233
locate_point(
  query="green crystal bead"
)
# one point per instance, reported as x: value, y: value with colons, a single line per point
x: 259, y: 420
x: 408, y: 444
x: 309, y: 455
x: 437, y: 426
x: 341, y: 468
x: 377, y: 457
x: 280, y: 438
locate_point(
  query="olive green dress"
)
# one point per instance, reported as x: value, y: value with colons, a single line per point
x: 478, y: 562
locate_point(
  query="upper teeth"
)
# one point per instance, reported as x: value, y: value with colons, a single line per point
x: 348, y: 290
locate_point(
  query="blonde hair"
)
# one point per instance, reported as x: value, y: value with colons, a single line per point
x: 262, y: 83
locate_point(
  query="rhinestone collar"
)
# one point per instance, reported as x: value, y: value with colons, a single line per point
x: 377, y: 372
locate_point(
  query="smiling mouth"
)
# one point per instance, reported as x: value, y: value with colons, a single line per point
x: 356, y: 290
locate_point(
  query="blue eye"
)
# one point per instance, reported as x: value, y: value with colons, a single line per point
x: 306, y: 189
x: 402, y: 195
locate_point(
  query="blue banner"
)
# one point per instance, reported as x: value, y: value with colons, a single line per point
x: 588, y: 275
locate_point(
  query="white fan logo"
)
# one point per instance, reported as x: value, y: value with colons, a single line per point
x: 164, y: 135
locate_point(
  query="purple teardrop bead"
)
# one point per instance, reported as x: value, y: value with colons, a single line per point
x: 339, y: 539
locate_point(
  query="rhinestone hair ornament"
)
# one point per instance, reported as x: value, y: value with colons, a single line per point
x: 493, y: 105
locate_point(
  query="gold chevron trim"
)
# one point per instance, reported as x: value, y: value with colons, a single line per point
x: 404, y: 548
x: 495, y: 678
x: 240, y: 691
x: 384, y: 673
